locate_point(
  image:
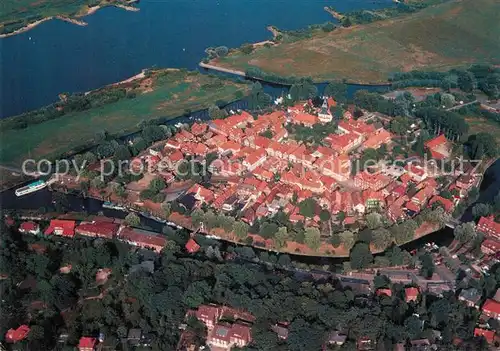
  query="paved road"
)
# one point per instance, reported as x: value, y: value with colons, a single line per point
x: 460, y: 106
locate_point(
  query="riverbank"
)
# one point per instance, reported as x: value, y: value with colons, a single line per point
x: 72, y: 19
x: 155, y: 95
x: 155, y: 213
x: 34, y: 24
x: 369, y: 53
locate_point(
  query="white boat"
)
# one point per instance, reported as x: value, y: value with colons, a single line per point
x: 113, y: 206
x: 30, y: 188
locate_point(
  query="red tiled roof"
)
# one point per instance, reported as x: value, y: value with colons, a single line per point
x: 192, y: 246
x: 357, y: 127
x: 411, y: 294
x: 491, y: 245
x: 102, y: 229
x: 87, y: 343
x: 440, y: 140
x: 305, y: 119
x: 15, y: 335
x: 331, y: 102
x: 67, y: 228
x: 230, y: 146
x: 410, y: 205
x: 176, y: 156
x: 341, y: 141
x: 262, y: 142
x: 448, y: 204
x: 199, y: 128
x: 488, y: 224
x: 28, y: 226
x: 387, y: 292
x: 491, y: 306
x: 375, y: 140
x: 143, y: 240
x: 255, y: 156
x: 489, y: 335
x: 201, y: 192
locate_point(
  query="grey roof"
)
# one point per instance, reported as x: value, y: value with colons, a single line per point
x: 472, y: 295
x: 145, y: 266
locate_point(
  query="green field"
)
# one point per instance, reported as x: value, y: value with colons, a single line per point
x: 167, y: 93
x: 452, y: 34
x: 478, y: 125
x: 15, y: 14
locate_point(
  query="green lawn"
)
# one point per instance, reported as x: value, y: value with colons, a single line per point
x: 170, y: 95
x: 452, y: 34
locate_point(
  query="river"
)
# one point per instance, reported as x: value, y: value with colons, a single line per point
x: 57, y: 56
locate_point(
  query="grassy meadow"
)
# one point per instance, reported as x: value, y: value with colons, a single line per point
x: 167, y: 94
x: 451, y: 34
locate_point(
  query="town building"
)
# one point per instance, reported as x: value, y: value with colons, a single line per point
x: 87, y: 344
x: 411, y: 294
x: 15, y: 335
x: 142, y: 238
x: 223, y: 335
x: 99, y: 229
x: 376, y: 182
x: 61, y: 227
x: 489, y: 335
x: 490, y: 246
x: 192, y: 246
x: 489, y: 227
x: 29, y: 228
x: 471, y: 297
x: 491, y: 308
x: 439, y: 147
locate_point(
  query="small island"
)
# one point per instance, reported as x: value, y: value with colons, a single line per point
x: 20, y: 16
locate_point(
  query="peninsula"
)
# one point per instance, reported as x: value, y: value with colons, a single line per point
x: 72, y: 123
x: 439, y: 37
x: 20, y: 16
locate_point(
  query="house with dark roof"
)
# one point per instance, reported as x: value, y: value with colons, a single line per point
x: 280, y: 330
x: 470, y: 296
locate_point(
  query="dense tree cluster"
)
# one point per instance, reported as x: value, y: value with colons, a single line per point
x: 157, y: 302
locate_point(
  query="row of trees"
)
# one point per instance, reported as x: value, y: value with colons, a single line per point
x: 478, y: 76
x: 70, y: 103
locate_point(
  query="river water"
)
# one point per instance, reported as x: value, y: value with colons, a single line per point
x: 58, y: 57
